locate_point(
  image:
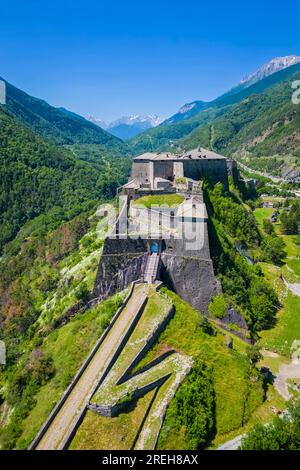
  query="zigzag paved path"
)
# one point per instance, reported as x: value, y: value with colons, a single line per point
x: 66, y: 418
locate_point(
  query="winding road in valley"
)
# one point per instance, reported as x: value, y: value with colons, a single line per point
x: 275, y: 179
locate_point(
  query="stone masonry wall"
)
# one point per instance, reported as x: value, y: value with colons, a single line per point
x: 214, y: 170
x: 188, y: 272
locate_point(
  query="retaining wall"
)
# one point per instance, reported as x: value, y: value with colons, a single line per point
x: 115, y: 409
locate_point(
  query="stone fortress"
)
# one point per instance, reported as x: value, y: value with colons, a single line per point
x: 175, y: 252
x: 177, y: 249
x: 160, y: 170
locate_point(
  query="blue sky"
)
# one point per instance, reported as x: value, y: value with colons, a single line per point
x: 112, y: 58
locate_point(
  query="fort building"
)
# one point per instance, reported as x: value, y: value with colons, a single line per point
x: 157, y: 171
x: 167, y: 252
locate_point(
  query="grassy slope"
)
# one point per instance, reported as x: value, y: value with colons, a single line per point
x: 262, y: 213
x: 100, y: 433
x: 287, y: 328
x: 68, y: 347
x: 184, y: 334
x: 69, y: 255
x: 230, y: 382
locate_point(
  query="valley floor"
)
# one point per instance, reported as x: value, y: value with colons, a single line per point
x: 280, y: 344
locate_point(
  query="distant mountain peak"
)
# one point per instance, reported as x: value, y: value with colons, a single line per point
x: 273, y: 66
x: 186, y: 111
x: 152, y: 119
x: 127, y: 127
x: 186, y: 107
x: 97, y: 121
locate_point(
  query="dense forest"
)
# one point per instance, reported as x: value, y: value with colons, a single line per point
x: 264, y: 124
x: 243, y: 284
x: 36, y: 176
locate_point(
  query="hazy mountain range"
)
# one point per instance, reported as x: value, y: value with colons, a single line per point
x: 127, y: 127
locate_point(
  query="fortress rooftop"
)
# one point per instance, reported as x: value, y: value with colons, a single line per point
x: 195, y: 154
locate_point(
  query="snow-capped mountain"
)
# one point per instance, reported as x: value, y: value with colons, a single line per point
x: 186, y: 111
x: 151, y: 120
x: 98, y: 122
x: 275, y: 65
x: 127, y: 127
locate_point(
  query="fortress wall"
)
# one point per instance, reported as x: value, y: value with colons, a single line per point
x: 232, y: 170
x: 116, y: 272
x: 141, y: 170
x: 123, y: 261
x: 164, y: 169
x: 186, y: 264
x: 116, y: 246
x: 178, y: 170
x: 115, y: 409
x: 195, y: 244
x: 188, y: 271
x: 192, y: 279
x: 213, y: 169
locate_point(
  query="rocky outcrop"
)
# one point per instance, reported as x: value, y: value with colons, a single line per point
x: 192, y: 279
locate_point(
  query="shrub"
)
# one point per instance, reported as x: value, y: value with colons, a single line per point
x: 273, y: 249
x: 206, y: 326
x: 217, y: 307
x: 281, y: 434
x: 268, y: 226
x: 193, y: 408
x: 82, y: 292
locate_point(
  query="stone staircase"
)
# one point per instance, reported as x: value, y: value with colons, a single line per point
x: 151, y: 268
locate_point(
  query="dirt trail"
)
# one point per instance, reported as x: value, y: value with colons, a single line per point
x: 64, y: 422
x: 287, y: 371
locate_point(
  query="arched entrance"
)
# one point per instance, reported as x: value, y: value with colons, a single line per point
x: 154, y: 248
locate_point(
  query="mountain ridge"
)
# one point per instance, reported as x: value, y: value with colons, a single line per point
x: 127, y: 127
x: 267, y: 69
x: 275, y: 65
x: 167, y: 134
x: 58, y: 125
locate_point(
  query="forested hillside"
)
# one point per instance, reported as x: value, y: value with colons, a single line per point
x: 260, y: 126
x: 36, y: 176
x: 267, y: 101
x: 265, y: 124
x: 57, y: 125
